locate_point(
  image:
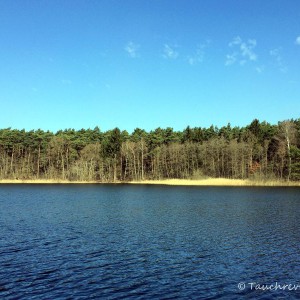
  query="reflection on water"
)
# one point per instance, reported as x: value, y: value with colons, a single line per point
x: 147, y: 242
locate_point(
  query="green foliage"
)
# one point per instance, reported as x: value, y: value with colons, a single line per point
x: 295, y: 167
x: 259, y: 150
x: 113, y: 142
x: 138, y: 134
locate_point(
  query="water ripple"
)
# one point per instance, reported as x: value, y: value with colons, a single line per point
x: 126, y: 242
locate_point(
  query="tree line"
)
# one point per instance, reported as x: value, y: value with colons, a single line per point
x: 259, y: 151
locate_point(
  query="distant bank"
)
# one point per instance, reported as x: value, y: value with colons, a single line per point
x: 182, y: 182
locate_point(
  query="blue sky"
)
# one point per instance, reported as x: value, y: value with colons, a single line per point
x: 148, y: 64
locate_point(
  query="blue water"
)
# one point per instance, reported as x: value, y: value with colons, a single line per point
x: 147, y: 242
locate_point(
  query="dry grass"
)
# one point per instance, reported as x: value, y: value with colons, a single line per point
x: 186, y: 182
x: 217, y: 182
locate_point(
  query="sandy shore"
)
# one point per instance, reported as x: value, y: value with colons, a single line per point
x: 185, y: 182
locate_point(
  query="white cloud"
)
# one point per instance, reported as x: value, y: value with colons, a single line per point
x: 244, y: 51
x: 247, y: 50
x: 276, y: 54
x: 132, y: 49
x: 169, y: 52
x: 230, y: 59
x: 252, y: 42
x: 297, y: 42
x: 236, y: 41
x: 260, y: 69
x: 198, y: 57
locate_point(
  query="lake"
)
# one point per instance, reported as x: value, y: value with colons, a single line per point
x: 149, y: 242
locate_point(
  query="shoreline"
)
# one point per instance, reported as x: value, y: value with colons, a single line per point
x: 173, y: 182
x: 216, y: 182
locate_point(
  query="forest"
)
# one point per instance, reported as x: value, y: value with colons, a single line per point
x: 259, y: 151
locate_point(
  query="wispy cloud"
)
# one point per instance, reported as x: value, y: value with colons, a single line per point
x: 260, y: 69
x: 247, y: 50
x: 279, y: 63
x: 132, y: 49
x: 170, y: 52
x: 199, y: 55
x: 231, y: 59
x: 236, y: 41
x: 297, y: 42
x: 243, y: 51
